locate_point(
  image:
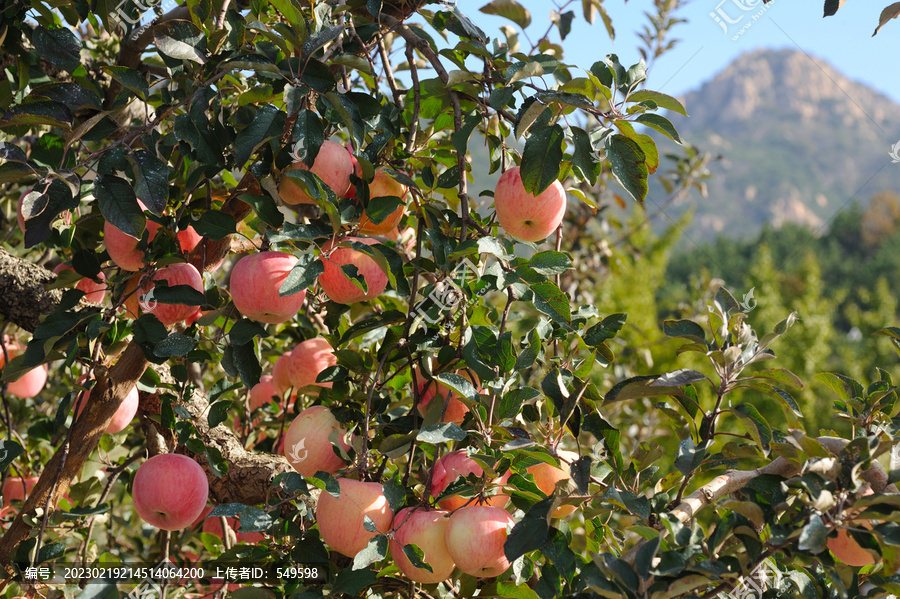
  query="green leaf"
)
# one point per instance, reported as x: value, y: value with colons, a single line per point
x: 690, y: 455
x: 182, y: 295
x: 215, y: 225
x: 584, y: 158
x: 382, y: 207
x: 302, y: 275
x: 176, y: 344
x: 509, y: 9
x: 416, y: 557
x: 441, y: 432
x: 552, y: 301
x: 180, y: 40
x: 605, y: 330
x: 844, y: 387
x: 118, y: 205
x: 218, y: 413
x: 541, y: 158
x: 512, y: 401
x: 375, y: 551
x: 54, y: 114
x: 685, y: 328
x: 660, y: 124
x: 9, y: 451
x: 677, y: 378
x: 266, y: 124
x: 459, y: 385
x: 130, y: 79
x: 755, y: 424
x: 550, y: 263
x: 832, y: 6
x: 246, y: 363
x: 244, y: 330
x: 813, y: 535
x: 310, y: 135
x: 152, y: 182
x: 59, y: 47
x: 529, y: 533
x: 629, y: 165
x: 660, y: 99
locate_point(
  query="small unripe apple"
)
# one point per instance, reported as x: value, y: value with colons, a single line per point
x: 523, y: 215
x: 426, y: 529
x: 93, y: 291
x: 384, y: 185
x: 451, y: 466
x: 124, y: 414
x: 301, y: 366
x: 845, y: 548
x: 342, y: 521
x: 338, y: 286
x: 547, y: 475
x: 170, y: 490
x: 254, y: 286
x: 180, y: 273
x: 123, y: 249
x: 306, y: 443
x: 332, y: 165
x: 475, y: 537
x: 456, y: 410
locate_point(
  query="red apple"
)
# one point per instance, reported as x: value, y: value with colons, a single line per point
x: 188, y: 239
x: 523, y: 215
x: 170, y: 490
x: 302, y: 365
x: 426, y: 529
x: 180, y: 273
x: 254, y: 286
x: 17, y: 488
x: 307, y: 446
x: 456, y: 409
x: 351, y: 191
x: 332, y: 165
x: 124, y: 414
x: 123, y: 249
x: 341, y: 520
x: 475, y: 537
x: 547, y: 475
x: 338, y: 286
x: 263, y: 392
x: 450, y: 467
x: 93, y: 291
x: 384, y: 185
x: 29, y: 384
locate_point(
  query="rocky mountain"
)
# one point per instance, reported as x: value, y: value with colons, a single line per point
x: 798, y: 141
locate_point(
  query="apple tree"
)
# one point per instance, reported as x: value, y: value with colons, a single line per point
x: 308, y: 285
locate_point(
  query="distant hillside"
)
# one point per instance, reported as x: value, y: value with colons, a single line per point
x: 798, y: 140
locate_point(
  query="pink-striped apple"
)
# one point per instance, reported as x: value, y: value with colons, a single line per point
x: 29, y: 384
x: 342, y: 520
x: 170, y: 490
x: 180, y: 273
x: 427, y: 530
x: 93, y: 291
x: 523, y: 215
x: 451, y: 466
x: 307, y: 445
x: 123, y: 249
x: 338, y: 286
x: 332, y: 165
x: 254, y: 286
x: 301, y: 366
x: 547, y: 475
x: 124, y: 414
x: 475, y: 537
x: 384, y: 185
x: 456, y: 410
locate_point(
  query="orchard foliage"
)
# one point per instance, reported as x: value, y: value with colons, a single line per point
x: 198, y: 111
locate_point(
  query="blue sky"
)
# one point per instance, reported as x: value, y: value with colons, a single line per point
x: 844, y: 40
